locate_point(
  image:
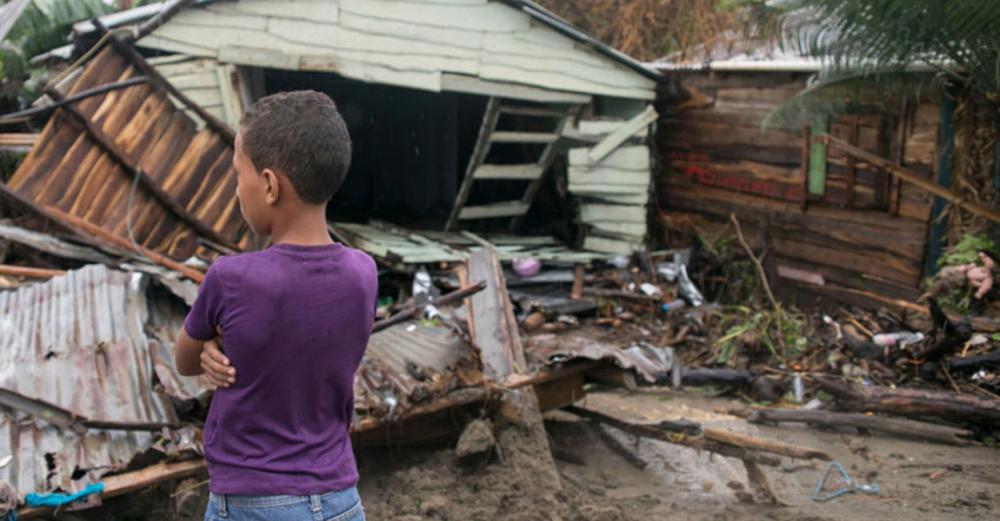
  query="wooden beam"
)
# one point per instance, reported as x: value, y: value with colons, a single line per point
x: 523, y: 137
x: 914, y: 178
x: 474, y: 85
x: 482, y: 148
x: 898, y: 426
x: 622, y: 134
x: 104, y: 235
x: 487, y: 211
x: 82, y: 95
x: 525, y: 172
x: 120, y: 484
x: 28, y: 272
x: 130, y: 170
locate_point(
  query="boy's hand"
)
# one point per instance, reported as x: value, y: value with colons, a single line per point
x: 216, y: 366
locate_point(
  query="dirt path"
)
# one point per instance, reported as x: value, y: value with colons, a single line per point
x: 679, y: 483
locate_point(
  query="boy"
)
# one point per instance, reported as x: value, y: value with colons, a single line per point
x: 294, y: 320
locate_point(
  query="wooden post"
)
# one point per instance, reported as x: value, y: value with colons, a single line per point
x: 495, y: 335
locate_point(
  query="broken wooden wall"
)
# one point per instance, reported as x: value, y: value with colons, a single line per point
x: 717, y: 160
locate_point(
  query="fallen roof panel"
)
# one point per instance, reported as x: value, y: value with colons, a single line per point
x: 92, y: 155
x: 78, y: 342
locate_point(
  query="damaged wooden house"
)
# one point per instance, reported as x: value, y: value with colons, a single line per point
x: 490, y: 116
x: 849, y: 206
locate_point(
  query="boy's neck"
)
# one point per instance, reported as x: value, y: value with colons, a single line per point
x: 305, y: 226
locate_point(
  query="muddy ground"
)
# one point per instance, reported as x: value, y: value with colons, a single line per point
x: 918, y: 480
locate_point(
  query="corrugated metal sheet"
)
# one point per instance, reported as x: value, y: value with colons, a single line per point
x: 650, y: 362
x: 410, y: 364
x: 79, y: 342
x: 69, y: 170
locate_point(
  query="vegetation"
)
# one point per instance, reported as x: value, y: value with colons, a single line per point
x: 865, y: 43
x: 652, y: 29
x: 42, y: 26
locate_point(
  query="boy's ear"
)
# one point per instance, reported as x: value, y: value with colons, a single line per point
x: 272, y: 187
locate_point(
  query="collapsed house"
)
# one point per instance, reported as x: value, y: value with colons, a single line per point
x: 482, y: 115
x: 128, y: 193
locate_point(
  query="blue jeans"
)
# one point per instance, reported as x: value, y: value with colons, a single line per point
x: 343, y: 505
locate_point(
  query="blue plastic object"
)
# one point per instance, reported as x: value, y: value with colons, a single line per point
x: 849, y: 487
x: 58, y: 499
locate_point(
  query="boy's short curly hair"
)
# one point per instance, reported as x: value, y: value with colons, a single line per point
x: 301, y: 135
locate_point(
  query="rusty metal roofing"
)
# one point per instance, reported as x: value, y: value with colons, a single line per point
x: 70, y: 170
x: 410, y: 364
x: 650, y: 362
x: 78, y: 342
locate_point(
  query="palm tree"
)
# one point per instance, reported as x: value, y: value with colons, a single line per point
x: 881, y: 42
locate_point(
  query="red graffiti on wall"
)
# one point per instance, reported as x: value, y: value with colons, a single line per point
x: 685, y: 163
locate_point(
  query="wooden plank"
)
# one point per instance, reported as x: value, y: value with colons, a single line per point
x: 494, y: 329
x: 620, y: 228
x: 527, y: 171
x: 606, y: 188
x: 817, y: 157
x: 121, y: 484
x: 472, y: 85
x: 591, y: 212
x: 370, y: 72
x: 450, y: 36
x: 625, y: 158
x: 607, y: 175
x: 201, y: 80
x: 318, y: 11
x: 629, y: 199
x: 608, y: 245
x: 243, y: 55
x: 599, y: 127
x: 537, y: 112
x: 621, y: 134
x: 542, y: 75
x: 523, y: 137
x: 916, y: 179
x: 504, y: 209
x: 492, y: 17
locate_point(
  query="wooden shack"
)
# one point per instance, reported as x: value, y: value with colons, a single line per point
x: 832, y: 225
x: 482, y: 114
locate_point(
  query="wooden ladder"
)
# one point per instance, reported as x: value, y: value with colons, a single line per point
x: 532, y: 173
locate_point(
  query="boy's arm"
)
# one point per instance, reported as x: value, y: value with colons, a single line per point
x: 187, y: 355
x: 197, y: 349
x: 194, y: 357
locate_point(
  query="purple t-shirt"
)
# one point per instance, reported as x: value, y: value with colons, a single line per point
x: 295, y: 322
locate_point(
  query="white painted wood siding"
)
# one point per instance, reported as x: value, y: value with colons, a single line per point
x: 408, y: 43
x: 207, y: 82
